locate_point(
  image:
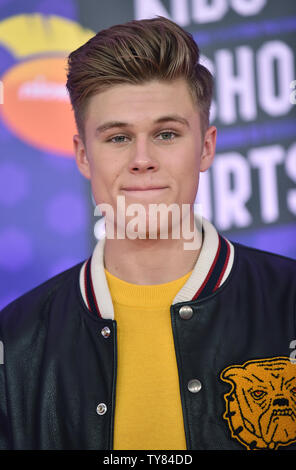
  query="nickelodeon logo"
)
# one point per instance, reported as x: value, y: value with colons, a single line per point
x: 1, y: 93
x: 35, y: 105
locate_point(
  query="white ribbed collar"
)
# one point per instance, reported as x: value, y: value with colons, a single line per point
x: 206, y: 261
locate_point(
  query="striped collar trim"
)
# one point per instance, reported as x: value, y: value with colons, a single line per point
x: 211, y: 270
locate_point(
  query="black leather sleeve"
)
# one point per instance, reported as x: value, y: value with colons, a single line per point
x: 4, y: 422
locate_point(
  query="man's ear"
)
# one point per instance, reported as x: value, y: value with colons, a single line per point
x: 80, y: 156
x: 209, y: 148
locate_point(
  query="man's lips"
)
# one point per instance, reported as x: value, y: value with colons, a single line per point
x: 149, y: 188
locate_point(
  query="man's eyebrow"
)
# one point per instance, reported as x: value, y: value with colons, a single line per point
x: 112, y: 124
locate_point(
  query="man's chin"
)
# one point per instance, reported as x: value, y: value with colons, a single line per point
x: 142, y: 229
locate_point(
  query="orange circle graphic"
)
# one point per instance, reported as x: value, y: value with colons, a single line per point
x: 36, y: 106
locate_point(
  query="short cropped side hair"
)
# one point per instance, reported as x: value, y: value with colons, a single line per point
x: 135, y: 53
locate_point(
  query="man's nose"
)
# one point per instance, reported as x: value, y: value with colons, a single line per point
x: 143, y: 156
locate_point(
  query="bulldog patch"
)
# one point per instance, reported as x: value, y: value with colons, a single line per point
x: 261, y: 405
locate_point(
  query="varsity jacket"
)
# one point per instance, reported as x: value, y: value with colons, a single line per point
x: 233, y: 324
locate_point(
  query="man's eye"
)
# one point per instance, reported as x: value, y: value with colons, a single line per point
x: 117, y: 139
x: 168, y: 135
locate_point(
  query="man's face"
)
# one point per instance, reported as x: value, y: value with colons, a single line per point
x: 144, y: 142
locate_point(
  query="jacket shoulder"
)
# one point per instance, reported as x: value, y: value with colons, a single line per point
x: 35, y: 300
x: 261, y: 260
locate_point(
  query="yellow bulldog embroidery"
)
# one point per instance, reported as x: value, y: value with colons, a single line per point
x: 261, y: 405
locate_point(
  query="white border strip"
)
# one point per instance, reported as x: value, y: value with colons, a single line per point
x: 199, y: 274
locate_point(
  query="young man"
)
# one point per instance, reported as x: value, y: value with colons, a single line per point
x: 151, y: 343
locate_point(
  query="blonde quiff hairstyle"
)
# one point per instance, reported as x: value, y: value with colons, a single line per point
x: 135, y: 53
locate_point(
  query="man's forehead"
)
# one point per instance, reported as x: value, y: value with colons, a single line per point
x: 119, y: 107
x: 172, y: 96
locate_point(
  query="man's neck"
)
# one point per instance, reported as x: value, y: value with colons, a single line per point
x: 150, y: 261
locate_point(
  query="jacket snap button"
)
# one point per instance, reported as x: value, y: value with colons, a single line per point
x: 194, y: 386
x: 185, y: 312
x: 101, y: 409
x: 105, y: 332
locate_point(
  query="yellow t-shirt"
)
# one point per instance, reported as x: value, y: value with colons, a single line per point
x: 148, y: 411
